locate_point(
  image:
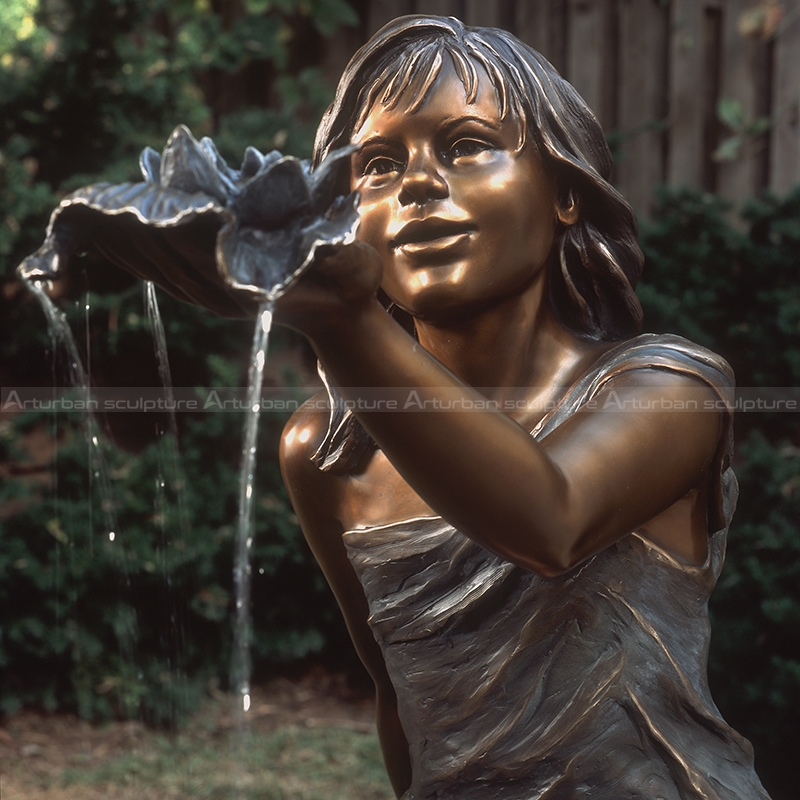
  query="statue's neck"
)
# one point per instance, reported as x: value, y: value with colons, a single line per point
x: 516, y: 345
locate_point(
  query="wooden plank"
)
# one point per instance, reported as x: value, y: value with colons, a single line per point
x: 337, y: 50
x: 542, y: 25
x: 687, y: 66
x: 642, y: 99
x: 383, y: 11
x: 590, y: 55
x: 785, y: 133
x: 742, y: 75
x: 490, y: 13
x: 441, y: 8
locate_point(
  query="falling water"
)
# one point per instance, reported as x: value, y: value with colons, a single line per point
x: 241, y: 665
x: 99, y: 473
x: 62, y: 338
x: 170, y: 477
x: 173, y: 455
x: 242, y: 569
x: 59, y: 330
x: 159, y: 337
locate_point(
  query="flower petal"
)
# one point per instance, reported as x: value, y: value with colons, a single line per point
x: 185, y: 166
x: 330, y: 179
x: 256, y: 260
x: 254, y: 162
x: 273, y: 196
x: 150, y: 164
x: 339, y: 226
x: 229, y: 176
x: 152, y: 205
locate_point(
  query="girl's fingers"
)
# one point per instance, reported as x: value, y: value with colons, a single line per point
x: 339, y: 281
x: 354, y: 269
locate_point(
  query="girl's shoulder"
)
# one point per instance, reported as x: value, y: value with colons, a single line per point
x: 665, y: 351
x: 305, y: 430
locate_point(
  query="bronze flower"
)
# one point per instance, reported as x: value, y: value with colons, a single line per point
x: 194, y: 220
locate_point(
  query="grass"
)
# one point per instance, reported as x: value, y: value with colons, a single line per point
x: 301, y: 743
x: 291, y: 764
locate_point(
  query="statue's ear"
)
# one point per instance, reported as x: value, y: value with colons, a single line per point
x: 567, y: 208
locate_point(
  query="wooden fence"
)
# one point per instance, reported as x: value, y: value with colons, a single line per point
x: 655, y: 73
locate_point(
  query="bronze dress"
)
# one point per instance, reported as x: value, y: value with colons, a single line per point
x: 592, y: 684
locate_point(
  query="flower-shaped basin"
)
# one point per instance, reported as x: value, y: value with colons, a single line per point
x: 222, y: 238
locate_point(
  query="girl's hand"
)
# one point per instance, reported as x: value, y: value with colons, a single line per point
x: 342, y: 281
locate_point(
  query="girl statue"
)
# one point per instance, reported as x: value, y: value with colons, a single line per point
x: 520, y: 504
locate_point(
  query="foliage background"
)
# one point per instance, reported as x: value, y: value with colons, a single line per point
x: 141, y: 626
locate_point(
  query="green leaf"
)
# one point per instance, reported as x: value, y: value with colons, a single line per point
x: 729, y: 149
x: 759, y: 126
x: 257, y: 6
x: 329, y: 15
x: 731, y: 112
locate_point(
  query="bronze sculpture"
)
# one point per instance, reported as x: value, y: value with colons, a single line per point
x: 527, y: 589
x: 526, y: 582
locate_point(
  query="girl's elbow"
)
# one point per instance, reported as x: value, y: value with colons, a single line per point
x: 548, y: 559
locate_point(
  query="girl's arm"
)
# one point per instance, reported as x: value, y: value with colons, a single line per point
x: 544, y: 505
x: 315, y: 495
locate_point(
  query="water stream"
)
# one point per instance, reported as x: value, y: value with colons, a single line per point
x: 64, y: 341
x: 241, y: 665
x: 174, y: 468
x: 170, y: 495
x: 99, y: 477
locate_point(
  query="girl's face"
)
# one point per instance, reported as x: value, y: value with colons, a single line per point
x: 461, y: 216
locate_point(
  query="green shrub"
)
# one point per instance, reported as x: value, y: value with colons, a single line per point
x: 138, y: 626
x: 733, y: 287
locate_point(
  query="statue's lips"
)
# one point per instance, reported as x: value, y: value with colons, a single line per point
x: 431, y: 234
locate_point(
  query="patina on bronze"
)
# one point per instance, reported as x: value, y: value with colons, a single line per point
x: 526, y: 582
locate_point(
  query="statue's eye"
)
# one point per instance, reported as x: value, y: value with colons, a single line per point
x: 382, y: 165
x: 468, y: 147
